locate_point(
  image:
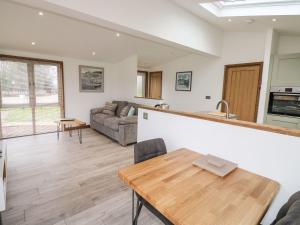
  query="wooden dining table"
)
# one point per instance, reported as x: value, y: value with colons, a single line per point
x: 188, y: 195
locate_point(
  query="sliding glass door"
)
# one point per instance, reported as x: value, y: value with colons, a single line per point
x: 31, y: 96
x: 16, y: 112
x: 47, y: 105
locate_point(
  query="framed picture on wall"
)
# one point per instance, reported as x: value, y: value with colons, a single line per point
x: 91, y: 79
x: 183, y: 81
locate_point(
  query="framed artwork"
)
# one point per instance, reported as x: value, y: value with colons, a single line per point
x: 91, y: 79
x: 183, y: 81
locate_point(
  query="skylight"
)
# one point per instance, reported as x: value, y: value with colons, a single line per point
x: 224, y: 8
x: 225, y: 3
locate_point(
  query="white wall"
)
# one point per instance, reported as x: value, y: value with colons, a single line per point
x: 208, y: 72
x: 269, y: 154
x: 206, y: 80
x: 241, y: 47
x: 159, y: 20
x: 126, y: 72
x: 270, y: 50
x: 78, y: 104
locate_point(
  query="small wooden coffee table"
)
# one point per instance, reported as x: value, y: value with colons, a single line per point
x: 69, y: 125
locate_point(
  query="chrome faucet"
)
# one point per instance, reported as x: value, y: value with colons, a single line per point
x: 226, y: 106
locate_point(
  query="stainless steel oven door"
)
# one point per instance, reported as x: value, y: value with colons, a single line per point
x: 284, y: 104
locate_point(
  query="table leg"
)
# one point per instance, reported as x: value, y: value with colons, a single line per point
x: 80, y: 135
x: 70, y: 131
x: 133, y: 220
x: 57, y: 129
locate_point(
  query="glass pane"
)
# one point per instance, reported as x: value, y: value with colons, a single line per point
x: 141, y: 85
x: 16, y: 121
x: 45, y: 117
x: 254, y: 2
x: 46, y: 84
x: 286, y: 105
x: 14, y: 83
x: 47, y: 108
x: 16, y: 115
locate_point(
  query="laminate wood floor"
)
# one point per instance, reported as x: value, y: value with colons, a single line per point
x: 65, y: 183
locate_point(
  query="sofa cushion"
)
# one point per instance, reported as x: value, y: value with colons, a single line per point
x: 124, y: 111
x: 128, y: 120
x: 109, y: 108
x: 120, y: 106
x: 135, y: 107
x: 112, y: 123
x: 100, y: 117
x: 131, y: 111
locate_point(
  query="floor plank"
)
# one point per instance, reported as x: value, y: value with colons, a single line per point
x: 61, y: 182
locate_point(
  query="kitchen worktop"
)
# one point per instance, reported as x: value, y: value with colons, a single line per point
x: 235, y: 122
x: 217, y: 114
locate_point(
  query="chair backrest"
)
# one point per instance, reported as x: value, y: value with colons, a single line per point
x: 289, y: 213
x: 149, y: 149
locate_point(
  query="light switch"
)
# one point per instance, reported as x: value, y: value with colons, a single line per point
x: 145, y: 116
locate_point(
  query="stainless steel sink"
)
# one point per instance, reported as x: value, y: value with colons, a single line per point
x: 219, y: 114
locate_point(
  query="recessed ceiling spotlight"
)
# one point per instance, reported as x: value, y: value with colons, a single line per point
x: 93, y: 53
x: 118, y: 34
x: 249, y: 21
x: 274, y: 19
x: 41, y: 13
x: 33, y: 43
x: 229, y: 20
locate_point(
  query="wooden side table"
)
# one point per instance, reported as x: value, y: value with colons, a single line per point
x: 63, y: 125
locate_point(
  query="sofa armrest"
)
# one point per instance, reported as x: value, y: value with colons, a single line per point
x: 96, y: 110
x: 128, y: 120
x: 127, y: 134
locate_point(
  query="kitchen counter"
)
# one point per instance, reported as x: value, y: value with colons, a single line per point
x: 235, y: 122
x: 217, y: 114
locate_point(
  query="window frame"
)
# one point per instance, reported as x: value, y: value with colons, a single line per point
x: 146, y: 83
x: 37, y: 61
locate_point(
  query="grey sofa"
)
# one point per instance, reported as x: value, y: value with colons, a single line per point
x: 123, y: 130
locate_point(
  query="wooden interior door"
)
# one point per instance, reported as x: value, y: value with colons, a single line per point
x: 241, y: 89
x: 155, y: 84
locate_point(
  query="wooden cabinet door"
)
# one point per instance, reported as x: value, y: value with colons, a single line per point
x: 241, y: 90
x: 155, y: 84
x: 283, y: 121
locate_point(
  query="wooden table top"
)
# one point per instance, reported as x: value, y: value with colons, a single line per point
x: 74, y: 122
x: 188, y: 195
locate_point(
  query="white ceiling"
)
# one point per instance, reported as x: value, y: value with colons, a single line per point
x: 58, y: 35
x: 284, y: 24
x: 62, y: 36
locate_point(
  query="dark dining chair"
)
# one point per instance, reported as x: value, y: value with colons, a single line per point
x: 143, y: 151
x: 289, y: 213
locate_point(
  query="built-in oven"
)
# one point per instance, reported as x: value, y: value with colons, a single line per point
x: 285, y: 101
